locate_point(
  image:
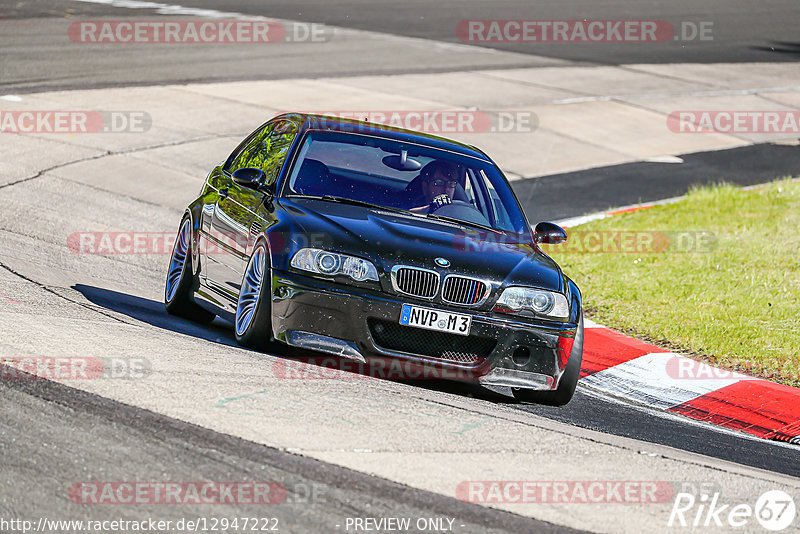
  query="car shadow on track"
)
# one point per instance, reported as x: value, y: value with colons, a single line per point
x: 153, y: 313
x: 312, y: 364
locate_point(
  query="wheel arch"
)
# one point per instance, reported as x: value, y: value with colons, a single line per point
x: 194, y: 213
x: 576, y: 304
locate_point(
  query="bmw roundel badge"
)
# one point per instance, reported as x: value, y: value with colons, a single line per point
x: 441, y: 262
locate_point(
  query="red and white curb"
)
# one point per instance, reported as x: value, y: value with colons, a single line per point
x: 583, y: 219
x: 621, y: 366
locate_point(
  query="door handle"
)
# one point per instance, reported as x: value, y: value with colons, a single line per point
x: 223, y: 193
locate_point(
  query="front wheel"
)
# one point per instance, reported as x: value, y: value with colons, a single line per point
x: 253, y: 323
x: 569, y: 380
x: 180, y: 282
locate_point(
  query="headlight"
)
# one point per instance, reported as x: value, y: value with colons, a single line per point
x: 517, y: 300
x: 330, y: 263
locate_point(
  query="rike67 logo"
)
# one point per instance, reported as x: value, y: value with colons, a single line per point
x: 774, y: 510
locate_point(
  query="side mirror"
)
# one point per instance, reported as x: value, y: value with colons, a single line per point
x: 249, y: 177
x: 547, y: 233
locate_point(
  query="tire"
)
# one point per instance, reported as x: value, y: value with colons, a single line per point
x: 180, y: 284
x: 253, y: 322
x: 569, y: 380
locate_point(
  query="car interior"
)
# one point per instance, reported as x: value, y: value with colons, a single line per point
x: 362, y: 171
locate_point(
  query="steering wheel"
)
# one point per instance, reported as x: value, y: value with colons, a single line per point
x: 460, y: 209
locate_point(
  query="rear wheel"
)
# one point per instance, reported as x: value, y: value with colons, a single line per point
x: 569, y: 380
x: 253, y: 323
x: 181, y: 280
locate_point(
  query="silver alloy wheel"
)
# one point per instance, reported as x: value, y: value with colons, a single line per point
x: 178, y: 261
x: 251, y: 289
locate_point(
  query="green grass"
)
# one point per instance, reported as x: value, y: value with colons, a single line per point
x: 736, y: 304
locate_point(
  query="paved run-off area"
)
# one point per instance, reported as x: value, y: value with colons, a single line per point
x: 54, y: 302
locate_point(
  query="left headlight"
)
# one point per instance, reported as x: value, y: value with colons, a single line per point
x: 517, y: 300
x: 332, y: 263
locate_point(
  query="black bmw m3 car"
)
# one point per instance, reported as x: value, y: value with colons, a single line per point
x: 371, y: 242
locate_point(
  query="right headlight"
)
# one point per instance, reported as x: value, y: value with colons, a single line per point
x: 519, y: 300
x: 332, y: 263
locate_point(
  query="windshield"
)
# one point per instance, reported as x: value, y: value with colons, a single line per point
x: 407, y: 176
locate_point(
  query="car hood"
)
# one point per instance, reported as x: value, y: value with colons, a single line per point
x: 390, y: 238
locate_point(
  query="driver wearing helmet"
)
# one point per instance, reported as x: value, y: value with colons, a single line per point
x: 438, y: 183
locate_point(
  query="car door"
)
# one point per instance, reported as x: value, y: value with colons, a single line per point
x: 211, y: 245
x: 236, y: 208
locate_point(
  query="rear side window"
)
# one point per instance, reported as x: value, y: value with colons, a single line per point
x: 267, y: 150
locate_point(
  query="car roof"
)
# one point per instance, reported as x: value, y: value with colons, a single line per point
x: 307, y: 121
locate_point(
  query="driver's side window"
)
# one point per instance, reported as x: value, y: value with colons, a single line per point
x: 267, y: 150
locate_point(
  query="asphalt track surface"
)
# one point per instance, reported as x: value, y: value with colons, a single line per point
x: 76, y: 429
x: 586, y: 410
x: 53, y: 430
x: 741, y: 32
x: 604, y: 188
x: 38, y: 56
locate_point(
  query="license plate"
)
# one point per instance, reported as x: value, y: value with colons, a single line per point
x: 442, y: 321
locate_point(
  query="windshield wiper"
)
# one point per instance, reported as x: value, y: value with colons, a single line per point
x: 345, y: 200
x: 465, y: 223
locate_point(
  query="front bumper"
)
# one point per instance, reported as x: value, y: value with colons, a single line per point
x: 363, y: 324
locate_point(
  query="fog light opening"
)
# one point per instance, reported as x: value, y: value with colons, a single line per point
x: 521, y: 356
